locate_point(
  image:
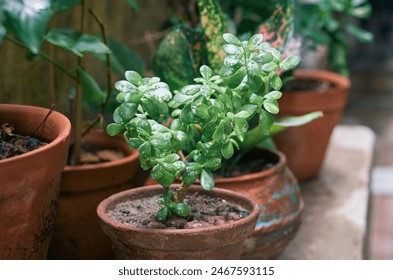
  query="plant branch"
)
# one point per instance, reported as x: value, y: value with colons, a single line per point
x: 46, y: 57
x: 100, y: 115
x: 43, y: 121
x: 181, y: 193
x: 79, y: 96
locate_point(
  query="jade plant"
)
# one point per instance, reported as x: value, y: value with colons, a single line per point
x: 187, y: 134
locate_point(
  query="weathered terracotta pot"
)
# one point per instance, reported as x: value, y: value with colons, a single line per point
x: 277, y: 193
x: 217, y: 242
x: 77, y: 233
x: 29, y: 183
x: 305, y: 146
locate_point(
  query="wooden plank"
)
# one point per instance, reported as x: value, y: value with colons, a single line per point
x: 381, y: 228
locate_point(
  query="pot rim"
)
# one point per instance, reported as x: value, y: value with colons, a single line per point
x: 62, y: 122
x: 340, y: 82
x: 134, y: 154
x: 113, y: 199
x: 282, y: 161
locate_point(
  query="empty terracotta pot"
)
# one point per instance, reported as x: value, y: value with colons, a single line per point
x: 305, y: 146
x: 29, y: 184
x: 217, y: 242
x: 77, y: 233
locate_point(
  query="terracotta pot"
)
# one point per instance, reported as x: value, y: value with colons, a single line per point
x: 277, y: 193
x: 29, y: 183
x: 305, y: 146
x: 216, y: 242
x: 77, y: 233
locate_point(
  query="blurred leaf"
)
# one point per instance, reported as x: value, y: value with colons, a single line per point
x: 360, y: 34
x: 363, y: 12
x: 93, y: 96
x: 29, y: 20
x: 214, y: 25
x: 292, y: 121
x: 123, y: 58
x: 134, y: 4
x: 179, y: 56
x: 62, y: 5
x: 277, y: 29
x: 76, y: 42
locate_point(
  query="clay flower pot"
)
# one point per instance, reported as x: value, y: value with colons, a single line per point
x: 305, y: 146
x: 29, y: 183
x: 277, y: 193
x: 77, y: 233
x: 216, y: 242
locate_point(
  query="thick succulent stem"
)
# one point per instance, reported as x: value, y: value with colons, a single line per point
x: 181, y: 193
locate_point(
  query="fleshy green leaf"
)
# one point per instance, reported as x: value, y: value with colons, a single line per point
x: 206, y: 72
x: 275, y: 81
x: 207, y: 180
x: 227, y: 150
x: 271, y: 106
x: 235, y: 80
x: 290, y: 62
x: 232, y: 39
x: 181, y: 210
x: 218, y: 135
x: 265, y: 122
x: 190, y: 176
x: 255, y: 40
x: 269, y: 67
x: 273, y: 95
x: 232, y: 49
x: 114, y: 129
x: 241, y: 127
x: 168, y: 195
x: 134, y: 78
x: 212, y: 163
x: 162, y: 214
x: 145, y: 149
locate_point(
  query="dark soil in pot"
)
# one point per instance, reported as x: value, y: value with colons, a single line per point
x: 205, y: 211
x: 15, y: 144
x: 249, y: 163
x: 308, y: 85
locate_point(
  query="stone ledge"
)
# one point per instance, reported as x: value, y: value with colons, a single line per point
x: 334, y: 220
